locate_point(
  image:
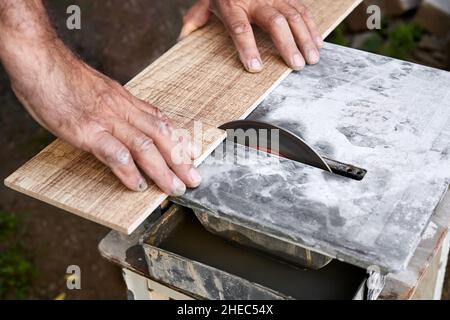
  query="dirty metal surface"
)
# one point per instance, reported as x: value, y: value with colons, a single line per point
x: 387, y: 116
x: 403, y: 285
x: 277, y: 249
x: 128, y: 253
x: 183, y: 255
x: 126, y: 250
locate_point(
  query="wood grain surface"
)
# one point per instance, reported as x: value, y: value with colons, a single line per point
x: 199, y: 79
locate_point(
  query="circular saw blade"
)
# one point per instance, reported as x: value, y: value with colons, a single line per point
x: 291, y: 146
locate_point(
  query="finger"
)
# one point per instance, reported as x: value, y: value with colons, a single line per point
x: 301, y: 32
x: 148, y: 158
x: 237, y: 23
x: 116, y: 156
x: 196, y: 17
x: 191, y: 148
x: 310, y: 23
x: 175, y: 147
x: 277, y: 26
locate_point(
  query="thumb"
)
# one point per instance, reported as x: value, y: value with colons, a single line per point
x: 196, y: 17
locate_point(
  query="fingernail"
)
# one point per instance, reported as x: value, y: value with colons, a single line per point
x: 195, y: 177
x: 187, y: 29
x: 313, y: 56
x: 255, y: 65
x: 179, y: 187
x: 195, y: 149
x: 298, y: 62
x: 181, y: 36
x: 319, y: 41
x: 142, y: 185
x: 183, y: 33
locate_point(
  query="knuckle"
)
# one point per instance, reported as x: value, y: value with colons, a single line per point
x: 158, y: 113
x: 293, y: 16
x: 149, y: 108
x: 142, y: 144
x: 276, y: 19
x: 307, y: 13
x: 303, y: 10
x: 117, y: 155
x: 164, y: 127
x: 87, y: 129
x: 240, y: 27
x: 308, y: 45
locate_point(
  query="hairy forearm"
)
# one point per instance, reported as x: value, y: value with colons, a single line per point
x: 29, y: 47
x: 24, y: 20
x: 32, y: 54
x: 24, y: 30
x: 87, y: 109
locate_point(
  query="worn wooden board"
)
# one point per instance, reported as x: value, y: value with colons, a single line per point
x: 199, y: 79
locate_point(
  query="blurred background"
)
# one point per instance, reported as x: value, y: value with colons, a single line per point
x: 38, y: 242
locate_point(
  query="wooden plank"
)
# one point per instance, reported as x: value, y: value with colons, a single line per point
x: 199, y: 79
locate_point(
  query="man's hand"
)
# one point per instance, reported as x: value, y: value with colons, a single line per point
x: 288, y: 22
x: 87, y: 109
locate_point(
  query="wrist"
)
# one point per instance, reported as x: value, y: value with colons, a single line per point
x: 33, y: 59
x: 37, y: 70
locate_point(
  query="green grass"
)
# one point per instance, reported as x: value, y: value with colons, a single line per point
x: 338, y: 36
x: 16, y: 271
x: 8, y: 225
x: 397, y: 42
x: 16, y: 274
x: 400, y: 42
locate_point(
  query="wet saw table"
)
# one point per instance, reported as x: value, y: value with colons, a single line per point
x: 389, y: 117
x: 264, y: 227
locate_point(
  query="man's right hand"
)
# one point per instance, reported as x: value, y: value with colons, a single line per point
x: 89, y: 110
